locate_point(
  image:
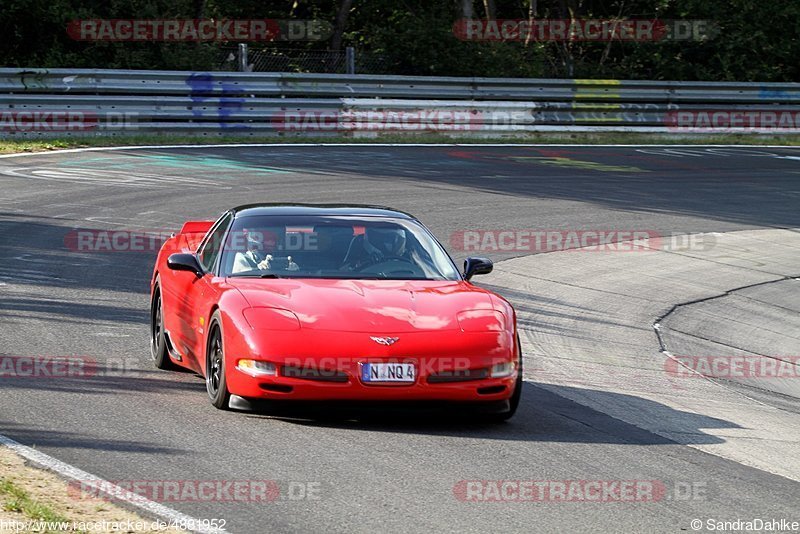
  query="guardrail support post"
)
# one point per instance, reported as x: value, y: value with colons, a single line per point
x: 350, y: 59
x: 242, y: 57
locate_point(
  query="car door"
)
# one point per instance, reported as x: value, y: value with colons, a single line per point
x: 192, y: 297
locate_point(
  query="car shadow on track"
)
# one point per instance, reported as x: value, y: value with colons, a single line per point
x: 109, y: 381
x: 39, y: 251
x: 543, y: 415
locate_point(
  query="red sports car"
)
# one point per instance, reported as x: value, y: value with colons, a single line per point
x: 330, y: 302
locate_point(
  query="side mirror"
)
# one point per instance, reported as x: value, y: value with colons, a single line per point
x: 473, y: 266
x: 185, y: 262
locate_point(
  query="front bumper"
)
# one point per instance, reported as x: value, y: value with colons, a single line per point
x: 436, y: 354
x: 281, y: 387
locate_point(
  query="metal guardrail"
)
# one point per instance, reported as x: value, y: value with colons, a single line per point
x: 59, y: 102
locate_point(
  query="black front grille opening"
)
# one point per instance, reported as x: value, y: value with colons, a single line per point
x: 464, y: 375
x: 319, y: 375
x: 276, y: 388
x: 491, y: 390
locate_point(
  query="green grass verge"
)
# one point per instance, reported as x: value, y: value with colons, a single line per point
x: 18, y: 500
x: 8, y: 146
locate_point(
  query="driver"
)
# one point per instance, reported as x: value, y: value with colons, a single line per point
x: 381, y: 243
x: 377, y: 245
x: 254, y: 258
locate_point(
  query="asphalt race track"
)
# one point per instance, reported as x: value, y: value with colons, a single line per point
x: 598, y: 405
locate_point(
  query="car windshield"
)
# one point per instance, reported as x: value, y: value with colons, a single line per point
x: 272, y: 246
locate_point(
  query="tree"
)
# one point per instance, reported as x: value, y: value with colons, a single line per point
x: 466, y: 9
x: 489, y: 9
x: 341, y: 22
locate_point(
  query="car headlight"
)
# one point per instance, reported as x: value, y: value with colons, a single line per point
x: 271, y: 319
x: 503, y: 369
x: 257, y: 368
x: 481, y: 321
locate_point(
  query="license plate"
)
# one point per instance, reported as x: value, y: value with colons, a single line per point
x: 388, y: 372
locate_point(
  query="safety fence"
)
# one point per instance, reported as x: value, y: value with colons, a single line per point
x: 271, y: 59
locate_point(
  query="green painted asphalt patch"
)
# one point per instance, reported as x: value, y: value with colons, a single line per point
x: 174, y: 161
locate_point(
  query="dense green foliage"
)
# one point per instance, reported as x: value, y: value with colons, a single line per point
x: 758, y: 41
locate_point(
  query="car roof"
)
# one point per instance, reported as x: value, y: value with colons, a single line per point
x: 358, y: 210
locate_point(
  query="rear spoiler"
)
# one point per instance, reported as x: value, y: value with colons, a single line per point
x: 190, y: 236
x: 196, y: 227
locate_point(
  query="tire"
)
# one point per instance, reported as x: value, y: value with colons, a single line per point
x: 158, y: 341
x: 216, y: 382
x: 513, y: 401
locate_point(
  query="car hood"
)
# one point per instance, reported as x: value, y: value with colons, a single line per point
x: 375, y: 306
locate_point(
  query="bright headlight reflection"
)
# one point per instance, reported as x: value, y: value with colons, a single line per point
x: 257, y: 368
x: 502, y: 370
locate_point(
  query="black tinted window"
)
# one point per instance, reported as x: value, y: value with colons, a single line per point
x: 213, y: 245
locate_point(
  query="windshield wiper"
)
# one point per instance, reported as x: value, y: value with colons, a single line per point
x: 264, y: 275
